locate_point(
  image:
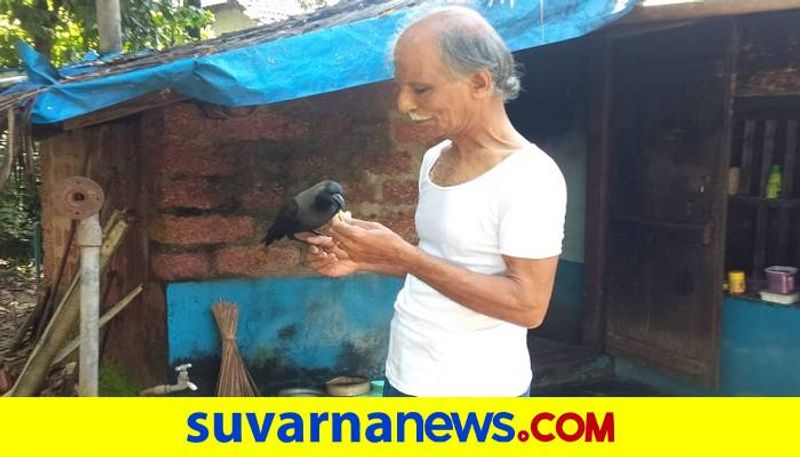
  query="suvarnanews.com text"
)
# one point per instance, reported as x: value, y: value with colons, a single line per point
x: 400, y: 427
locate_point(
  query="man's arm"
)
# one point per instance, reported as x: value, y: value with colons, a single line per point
x: 520, y: 296
x: 384, y: 269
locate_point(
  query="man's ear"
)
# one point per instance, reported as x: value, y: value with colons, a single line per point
x: 481, y: 83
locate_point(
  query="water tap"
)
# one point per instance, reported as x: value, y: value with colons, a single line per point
x: 183, y: 377
x: 182, y: 383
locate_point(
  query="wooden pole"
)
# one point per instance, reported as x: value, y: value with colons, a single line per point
x: 109, y: 26
x: 116, y: 309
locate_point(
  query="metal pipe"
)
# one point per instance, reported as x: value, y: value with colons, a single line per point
x: 90, y: 238
x: 109, y: 25
x: 681, y: 10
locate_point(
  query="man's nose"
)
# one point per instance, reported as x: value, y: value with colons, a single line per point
x: 405, y: 103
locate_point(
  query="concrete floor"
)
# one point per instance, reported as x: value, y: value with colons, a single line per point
x: 612, y: 387
x: 561, y: 370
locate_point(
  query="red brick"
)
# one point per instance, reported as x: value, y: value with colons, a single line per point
x: 257, y: 261
x: 200, y: 229
x: 407, y: 132
x: 401, y: 222
x: 181, y: 117
x: 301, y: 165
x: 187, y: 192
x: 358, y: 192
x: 333, y: 125
x: 391, y: 162
x: 170, y: 267
x: 373, y: 100
x: 186, y: 121
x: 264, y: 198
x: 382, y: 95
x: 262, y: 125
x: 194, y: 159
x: 400, y: 192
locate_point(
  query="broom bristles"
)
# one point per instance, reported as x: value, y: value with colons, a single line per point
x: 234, y: 378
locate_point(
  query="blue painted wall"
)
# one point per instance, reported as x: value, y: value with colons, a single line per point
x: 303, y: 331
x: 760, y: 353
x: 292, y: 331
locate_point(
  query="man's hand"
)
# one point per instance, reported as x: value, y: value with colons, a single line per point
x: 326, y: 258
x: 369, y: 242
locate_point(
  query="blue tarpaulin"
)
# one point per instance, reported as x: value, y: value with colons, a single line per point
x: 313, y: 63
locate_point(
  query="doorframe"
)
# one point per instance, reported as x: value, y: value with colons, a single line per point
x: 598, y: 163
x: 597, y: 183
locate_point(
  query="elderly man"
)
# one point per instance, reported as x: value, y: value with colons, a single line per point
x: 490, y: 220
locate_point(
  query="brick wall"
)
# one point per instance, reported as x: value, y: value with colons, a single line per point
x: 217, y: 177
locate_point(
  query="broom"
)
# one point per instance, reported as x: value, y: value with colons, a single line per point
x: 234, y: 379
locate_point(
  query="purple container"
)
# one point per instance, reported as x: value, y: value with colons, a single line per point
x: 780, y: 280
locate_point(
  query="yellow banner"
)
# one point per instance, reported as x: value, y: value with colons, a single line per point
x: 407, y: 427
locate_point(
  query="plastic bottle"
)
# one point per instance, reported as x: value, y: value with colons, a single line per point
x: 774, y: 182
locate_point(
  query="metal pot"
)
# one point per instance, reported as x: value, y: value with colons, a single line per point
x: 301, y: 392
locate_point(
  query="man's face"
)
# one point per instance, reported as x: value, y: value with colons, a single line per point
x: 435, y: 100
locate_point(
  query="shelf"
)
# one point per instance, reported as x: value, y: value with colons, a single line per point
x: 755, y: 299
x: 657, y: 223
x: 792, y: 203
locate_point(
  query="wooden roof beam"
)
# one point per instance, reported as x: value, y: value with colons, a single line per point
x: 133, y: 106
x: 668, y: 10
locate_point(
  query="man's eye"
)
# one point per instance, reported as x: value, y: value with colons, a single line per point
x: 421, y: 90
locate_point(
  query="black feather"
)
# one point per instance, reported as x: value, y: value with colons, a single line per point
x: 282, y: 225
x: 306, y: 211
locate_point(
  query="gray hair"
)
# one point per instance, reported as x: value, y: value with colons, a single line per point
x: 467, y: 49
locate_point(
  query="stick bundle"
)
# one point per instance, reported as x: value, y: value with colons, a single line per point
x: 234, y: 379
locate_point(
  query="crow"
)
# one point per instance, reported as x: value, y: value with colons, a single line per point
x: 306, y: 211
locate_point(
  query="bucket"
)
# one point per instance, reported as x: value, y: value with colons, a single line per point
x: 780, y: 280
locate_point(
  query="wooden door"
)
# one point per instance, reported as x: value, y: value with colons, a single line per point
x: 669, y: 119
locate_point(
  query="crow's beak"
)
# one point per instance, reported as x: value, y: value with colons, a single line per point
x: 339, y: 199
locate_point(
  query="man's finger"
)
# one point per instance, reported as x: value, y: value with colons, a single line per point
x: 314, y: 258
x: 304, y: 235
x: 325, y: 242
x: 320, y: 259
x: 365, y: 224
x: 343, y: 230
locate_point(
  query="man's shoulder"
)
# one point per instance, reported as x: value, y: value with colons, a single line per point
x: 533, y: 162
